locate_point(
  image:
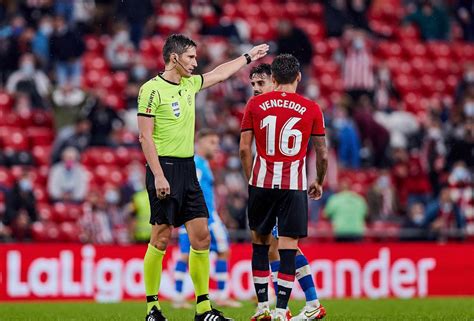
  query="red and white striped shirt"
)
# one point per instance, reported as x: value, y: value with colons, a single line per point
x: 358, y: 70
x: 282, y: 124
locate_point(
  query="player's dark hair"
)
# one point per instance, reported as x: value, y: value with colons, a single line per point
x: 262, y: 69
x: 178, y: 44
x: 206, y: 132
x: 285, y: 68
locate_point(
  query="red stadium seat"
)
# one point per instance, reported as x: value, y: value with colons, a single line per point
x: 6, y: 178
x: 14, y: 139
x: 122, y: 156
x: 45, y: 212
x: 410, y: 33
x: 6, y: 102
x: 41, y: 118
x: 39, y: 136
x: 65, y: 212
x: 45, y: 232
x: 69, y: 232
x: 42, y: 155
x: 41, y: 193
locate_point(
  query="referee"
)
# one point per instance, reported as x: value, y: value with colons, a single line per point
x: 166, y: 119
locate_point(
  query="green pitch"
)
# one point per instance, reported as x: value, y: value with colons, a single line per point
x: 452, y: 309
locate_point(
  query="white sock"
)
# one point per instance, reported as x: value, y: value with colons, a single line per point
x: 263, y: 305
x: 280, y: 311
x: 313, y: 303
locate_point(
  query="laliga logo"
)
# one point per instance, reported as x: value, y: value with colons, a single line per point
x: 105, y: 280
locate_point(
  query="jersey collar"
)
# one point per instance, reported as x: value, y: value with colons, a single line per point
x: 169, y: 82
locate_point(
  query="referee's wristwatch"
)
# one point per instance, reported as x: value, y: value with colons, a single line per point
x: 247, y: 56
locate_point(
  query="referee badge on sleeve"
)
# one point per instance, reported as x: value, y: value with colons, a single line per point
x: 176, y: 109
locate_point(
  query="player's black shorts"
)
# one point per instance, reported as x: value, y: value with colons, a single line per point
x: 289, y: 206
x: 186, y: 200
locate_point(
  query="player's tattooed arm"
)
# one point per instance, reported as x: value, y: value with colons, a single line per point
x: 226, y: 70
x: 315, y: 190
x: 246, y: 138
x: 320, y: 147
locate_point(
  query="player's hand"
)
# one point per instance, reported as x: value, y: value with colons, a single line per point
x: 259, y: 51
x: 162, y: 187
x: 315, y: 191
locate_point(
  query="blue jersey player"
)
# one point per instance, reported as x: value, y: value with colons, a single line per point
x: 206, y: 147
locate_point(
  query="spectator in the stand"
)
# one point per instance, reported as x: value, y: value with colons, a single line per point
x: 120, y: 51
x: 401, y: 125
x: 412, y: 228
x: 118, y: 217
x: 95, y: 223
x: 30, y: 81
x: 385, y: 95
x: 466, y: 81
x: 358, y: 13
x: 432, y: 21
x: 443, y: 216
x: 9, y: 47
x: 40, y: 42
x: 410, y: 178
x: 136, y: 14
x: 64, y: 8
x: 20, y: 207
x: 461, y: 148
x: 372, y: 135
x: 104, y: 120
x: 135, y: 182
x: 347, y: 211
x: 381, y: 198
x: 465, y: 17
x: 68, y: 180
x: 467, y: 102
x: 77, y: 136
x: 293, y: 40
x: 358, y: 65
x: 84, y: 12
x: 435, y: 148
x: 140, y: 223
x: 348, y: 141
x: 335, y: 17
x: 34, y: 10
x: 66, y: 48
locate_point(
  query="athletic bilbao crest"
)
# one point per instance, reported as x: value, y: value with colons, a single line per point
x: 176, y: 109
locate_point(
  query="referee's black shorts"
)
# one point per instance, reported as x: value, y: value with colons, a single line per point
x: 186, y: 200
x: 265, y: 205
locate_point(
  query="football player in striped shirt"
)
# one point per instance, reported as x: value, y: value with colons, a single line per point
x: 282, y: 123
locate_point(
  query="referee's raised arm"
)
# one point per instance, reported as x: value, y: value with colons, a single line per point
x: 224, y: 71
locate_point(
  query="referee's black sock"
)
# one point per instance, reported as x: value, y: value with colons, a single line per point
x: 260, y: 271
x: 286, y: 277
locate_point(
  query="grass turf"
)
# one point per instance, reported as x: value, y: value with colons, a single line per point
x: 458, y: 309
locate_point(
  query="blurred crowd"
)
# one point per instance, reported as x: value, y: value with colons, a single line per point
x: 401, y: 134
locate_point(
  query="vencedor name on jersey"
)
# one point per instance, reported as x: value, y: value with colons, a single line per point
x: 283, y: 103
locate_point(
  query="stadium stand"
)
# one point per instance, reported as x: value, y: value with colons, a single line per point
x: 426, y: 83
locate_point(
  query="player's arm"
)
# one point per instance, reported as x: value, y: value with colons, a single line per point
x: 224, y: 71
x: 148, y: 102
x: 316, y: 188
x: 245, y: 150
x: 145, y: 136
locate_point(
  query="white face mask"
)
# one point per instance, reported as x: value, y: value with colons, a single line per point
x: 27, y: 68
x: 358, y: 43
x: 469, y: 109
x: 46, y: 29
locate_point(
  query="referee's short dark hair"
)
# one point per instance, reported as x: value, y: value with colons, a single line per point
x: 178, y: 44
x: 204, y: 132
x: 262, y: 69
x: 285, y: 68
